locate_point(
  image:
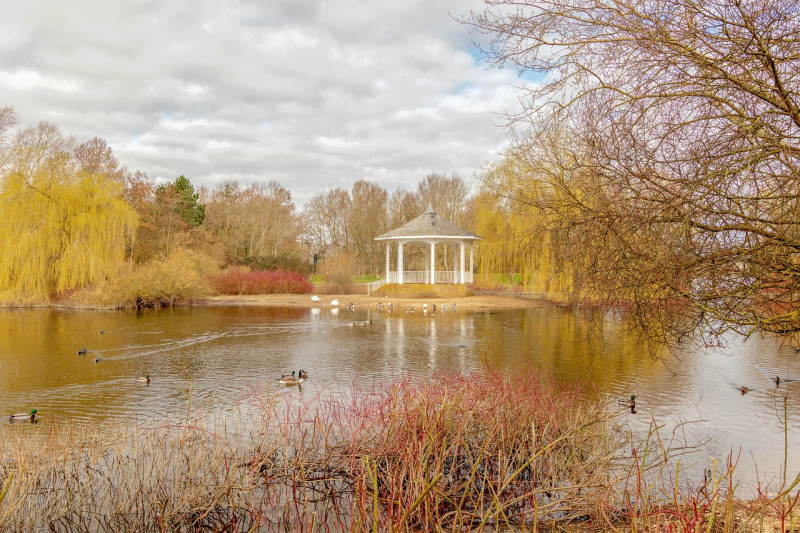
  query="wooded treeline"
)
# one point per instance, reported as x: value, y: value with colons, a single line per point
x: 71, y: 217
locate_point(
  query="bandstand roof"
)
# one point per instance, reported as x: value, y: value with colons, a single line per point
x: 428, y: 224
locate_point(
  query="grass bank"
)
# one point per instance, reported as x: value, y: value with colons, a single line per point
x: 466, y: 453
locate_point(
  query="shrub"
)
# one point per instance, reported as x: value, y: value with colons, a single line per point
x: 239, y: 281
x: 177, y: 279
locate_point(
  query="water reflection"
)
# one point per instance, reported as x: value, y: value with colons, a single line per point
x: 213, y: 358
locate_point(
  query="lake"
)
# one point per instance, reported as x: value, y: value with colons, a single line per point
x: 210, y: 359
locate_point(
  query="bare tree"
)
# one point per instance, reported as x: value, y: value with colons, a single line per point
x: 666, y: 142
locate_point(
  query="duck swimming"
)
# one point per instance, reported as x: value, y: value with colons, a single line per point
x: 145, y: 379
x: 82, y: 351
x: 628, y: 402
x: 22, y: 417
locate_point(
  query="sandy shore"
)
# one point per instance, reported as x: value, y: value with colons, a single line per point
x: 304, y: 300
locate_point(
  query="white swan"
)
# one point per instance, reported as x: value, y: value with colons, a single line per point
x: 335, y: 302
x: 315, y: 298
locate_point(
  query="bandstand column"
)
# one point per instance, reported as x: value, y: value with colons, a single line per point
x: 400, y: 263
x: 433, y: 263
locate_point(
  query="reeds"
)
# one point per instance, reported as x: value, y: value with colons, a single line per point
x: 465, y: 453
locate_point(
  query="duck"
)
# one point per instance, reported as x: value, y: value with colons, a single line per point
x: 628, y: 402
x: 744, y: 390
x: 410, y: 311
x: 83, y: 351
x: 145, y: 379
x: 97, y: 360
x: 21, y: 417
x: 291, y: 380
x: 303, y: 374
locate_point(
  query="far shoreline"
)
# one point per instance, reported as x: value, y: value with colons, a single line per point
x: 495, y: 302
x: 472, y: 303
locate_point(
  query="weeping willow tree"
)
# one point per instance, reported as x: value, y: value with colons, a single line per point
x: 61, y: 227
x: 517, y: 234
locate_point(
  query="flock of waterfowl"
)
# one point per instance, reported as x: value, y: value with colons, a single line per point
x: 31, y: 417
x: 429, y: 310
x: 295, y: 378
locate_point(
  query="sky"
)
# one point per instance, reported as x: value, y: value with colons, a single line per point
x: 312, y: 94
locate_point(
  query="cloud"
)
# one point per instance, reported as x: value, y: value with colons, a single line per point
x: 313, y: 94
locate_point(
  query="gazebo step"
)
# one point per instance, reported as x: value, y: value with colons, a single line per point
x: 421, y: 290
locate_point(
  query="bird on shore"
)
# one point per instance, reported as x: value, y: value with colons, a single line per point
x: 315, y: 298
x: 334, y: 302
x: 21, y: 417
x: 145, y: 379
x: 83, y: 351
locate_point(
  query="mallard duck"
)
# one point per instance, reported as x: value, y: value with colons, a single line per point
x: 777, y: 380
x: 744, y: 390
x: 97, y: 360
x: 83, y: 351
x: 145, y: 379
x: 410, y: 311
x: 628, y: 402
x: 303, y: 374
x: 21, y: 417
